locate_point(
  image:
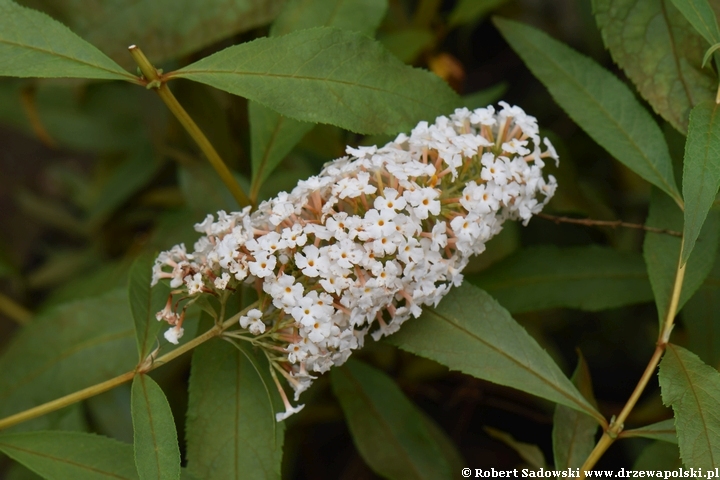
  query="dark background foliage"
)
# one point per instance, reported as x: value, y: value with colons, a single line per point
x: 91, y: 175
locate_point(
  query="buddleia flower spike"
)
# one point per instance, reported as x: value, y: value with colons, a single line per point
x: 361, y: 247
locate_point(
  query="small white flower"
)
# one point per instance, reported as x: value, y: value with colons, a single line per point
x: 423, y: 201
x: 294, y: 236
x: 173, y: 335
x: 263, y: 265
x: 257, y: 327
x: 484, y: 116
x: 516, y: 146
x: 222, y: 281
x: 310, y: 261
x: 194, y: 283
x: 289, y: 411
x: 252, y: 315
x: 550, y: 152
x: 389, y: 200
x: 378, y: 224
x: 439, y: 238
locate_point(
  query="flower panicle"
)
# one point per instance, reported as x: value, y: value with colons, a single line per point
x: 361, y: 247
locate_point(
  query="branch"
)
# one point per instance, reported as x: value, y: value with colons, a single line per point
x: 606, y: 223
x: 155, y: 81
x: 617, y: 425
x: 145, y: 366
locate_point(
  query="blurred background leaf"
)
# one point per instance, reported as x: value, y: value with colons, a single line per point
x: 165, y: 30
x: 587, y: 278
x: 62, y: 455
x: 574, y: 433
x: 662, y: 253
x: 659, y: 456
x: 355, y: 15
x: 66, y: 349
x: 388, y: 430
x: 701, y: 317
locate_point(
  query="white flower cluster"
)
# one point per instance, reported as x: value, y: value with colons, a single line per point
x: 362, y: 246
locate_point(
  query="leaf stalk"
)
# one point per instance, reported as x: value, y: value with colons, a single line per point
x: 143, y: 367
x: 157, y: 82
x: 617, y: 425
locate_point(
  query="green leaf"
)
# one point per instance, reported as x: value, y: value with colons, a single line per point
x: 573, y: 433
x: 34, y: 45
x: 18, y: 472
x: 65, y: 455
x: 409, y: 43
x: 91, y: 283
x: 701, y: 170
x: 660, y: 52
x: 66, y: 349
x: 78, y: 117
x: 447, y: 448
x: 483, y: 98
x: 164, y: 29
x: 527, y: 451
x: 205, y: 192
x: 701, y: 16
x: 175, y: 226
x: 701, y: 317
x: 662, y: 252
x: 471, y: 332
x: 467, y: 12
x: 110, y: 413
x: 272, y: 137
x: 231, y: 427
x: 659, y: 456
x: 709, y: 53
x: 356, y: 15
x: 587, y: 278
x: 327, y: 75
x: 295, y: 168
x: 693, y: 390
x: 157, y: 454
x: 51, y: 213
x: 185, y: 475
x: 664, y: 431
x: 598, y: 102
x: 133, y: 173
x: 387, y: 429
x: 145, y: 302
x: 6, y: 269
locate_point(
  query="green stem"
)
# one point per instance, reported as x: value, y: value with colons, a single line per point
x: 146, y: 366
x: 156, y: 81
x: 617, y: 425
